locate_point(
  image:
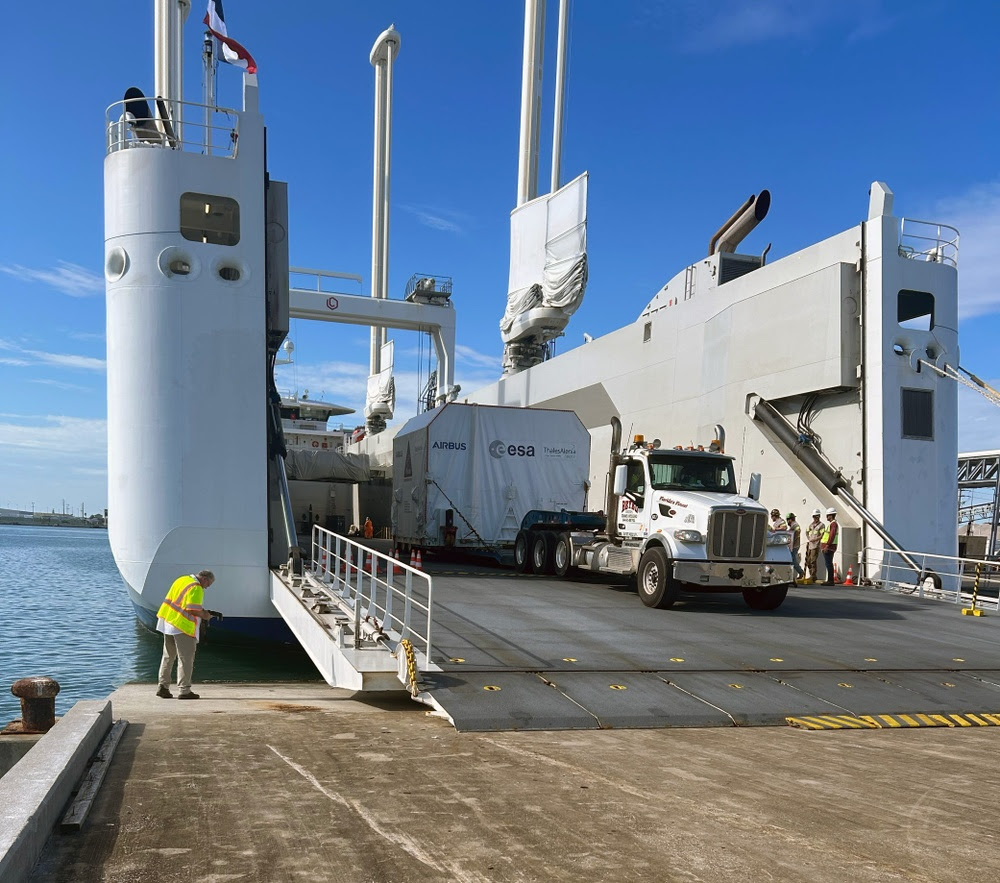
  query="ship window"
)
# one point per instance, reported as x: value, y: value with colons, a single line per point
x: 214, y: 220
x: 918, y: 413
x: 915, y: 310
x: 230, y: 274
x: 647, y: 332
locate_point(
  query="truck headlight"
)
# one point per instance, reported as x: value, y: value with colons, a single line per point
x: 689, y: 536
x: 779, y: 539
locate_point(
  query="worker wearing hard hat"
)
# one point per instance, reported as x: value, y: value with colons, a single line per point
x: 796, y: 530
x: 777, y: 522
x: 829, y: 541
x: 814, y: 531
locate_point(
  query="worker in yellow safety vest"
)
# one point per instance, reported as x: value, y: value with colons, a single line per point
x: 179, y: 619
x: 828, y: 543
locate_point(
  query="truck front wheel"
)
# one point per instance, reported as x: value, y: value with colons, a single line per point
x: 522, y: 552
x: 656, y: 583
x: 770, y: 598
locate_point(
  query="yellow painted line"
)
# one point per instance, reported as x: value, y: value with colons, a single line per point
x: 893, y: 721
x: 805, y: 722
x: 849, y: 720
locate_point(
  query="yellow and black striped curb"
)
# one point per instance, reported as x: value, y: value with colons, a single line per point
x: 891, y: 721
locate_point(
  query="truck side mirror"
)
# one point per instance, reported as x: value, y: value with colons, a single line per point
x: 753, y: 492
x: 620, y: 471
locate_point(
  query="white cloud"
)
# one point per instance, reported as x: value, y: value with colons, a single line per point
x: 27, y: 357
x: 976, y: 214
x: 52, y: 434
x: 71, y: 279
x: 722, y: 25
x: 481, y: 360
x: 439, y: 219
x: 978, y: 420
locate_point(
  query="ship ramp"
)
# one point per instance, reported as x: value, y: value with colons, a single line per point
x: 515, y: 652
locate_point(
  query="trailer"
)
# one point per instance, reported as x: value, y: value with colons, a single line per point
x: 464, y: 476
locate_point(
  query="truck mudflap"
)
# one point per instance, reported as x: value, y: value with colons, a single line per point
x: 735, y: 575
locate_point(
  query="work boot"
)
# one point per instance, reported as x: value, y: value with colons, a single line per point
x: 164, y: 693
x: 188, y: 696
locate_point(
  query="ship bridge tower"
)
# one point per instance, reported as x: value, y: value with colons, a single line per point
x: 185, y: 221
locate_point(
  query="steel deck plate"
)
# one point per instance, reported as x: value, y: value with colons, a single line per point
x: 586, y: 633
x: 751, y: 698
x: 489, y: 701
x: 636, y: 699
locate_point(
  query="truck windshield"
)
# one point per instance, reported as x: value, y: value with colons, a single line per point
x: 687, y: 473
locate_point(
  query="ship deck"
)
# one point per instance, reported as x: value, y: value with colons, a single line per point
x: 539, y: 653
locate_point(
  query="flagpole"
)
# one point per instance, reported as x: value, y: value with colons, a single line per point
x: 208, y: 99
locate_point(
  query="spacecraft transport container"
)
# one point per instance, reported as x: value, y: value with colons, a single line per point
x: 464, y: 475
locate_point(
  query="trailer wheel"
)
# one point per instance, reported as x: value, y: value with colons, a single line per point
x: 562, y: 554
x: 522, y: 552
x: 656, y: 583
x: 770, y: 598
x: 541, y: 553
x: 929, y: 581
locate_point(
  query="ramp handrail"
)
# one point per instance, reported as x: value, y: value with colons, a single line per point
x: 375, y: 586
x: 967, y: 581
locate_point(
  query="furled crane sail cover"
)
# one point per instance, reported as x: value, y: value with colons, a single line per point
x: 548, y: 255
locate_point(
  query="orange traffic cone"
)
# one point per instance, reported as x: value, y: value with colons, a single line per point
x: 836, y: 574
x: 850, y: 576
x: 368, y: 563
x: 419, y: 564
x: 322, y: 560
x: 395, y: 562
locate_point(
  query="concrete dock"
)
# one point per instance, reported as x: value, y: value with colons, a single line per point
x: 298, y: 782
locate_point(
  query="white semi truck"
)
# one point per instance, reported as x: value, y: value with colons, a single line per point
x: 676, y: 524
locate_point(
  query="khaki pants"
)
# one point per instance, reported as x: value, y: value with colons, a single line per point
x: 181, y: 648
x: 812, y: 556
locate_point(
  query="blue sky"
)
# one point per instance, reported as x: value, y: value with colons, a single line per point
x: 678, y: 109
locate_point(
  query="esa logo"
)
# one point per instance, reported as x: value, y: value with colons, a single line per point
x: 499, y: 450
x: 449, y: 446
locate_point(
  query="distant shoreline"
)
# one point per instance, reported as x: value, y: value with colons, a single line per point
x: 53, y: 521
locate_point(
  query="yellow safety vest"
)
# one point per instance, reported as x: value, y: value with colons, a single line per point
x: 825, y: 539
x: 179, y: 608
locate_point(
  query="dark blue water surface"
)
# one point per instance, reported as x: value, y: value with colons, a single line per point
x: 65, y: 613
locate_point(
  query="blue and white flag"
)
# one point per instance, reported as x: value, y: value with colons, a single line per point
x: 232, y: 52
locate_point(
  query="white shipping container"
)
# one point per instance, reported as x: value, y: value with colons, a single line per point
x: 488, y: 465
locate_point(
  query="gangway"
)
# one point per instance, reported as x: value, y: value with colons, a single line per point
x: 363, y: 617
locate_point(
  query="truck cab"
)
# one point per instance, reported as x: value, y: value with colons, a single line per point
x: 681, y: 516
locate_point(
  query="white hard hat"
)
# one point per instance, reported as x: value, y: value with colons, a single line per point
x: 817, y: 512
x: 831, y: 511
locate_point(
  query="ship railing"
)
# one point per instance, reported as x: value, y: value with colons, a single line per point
x: 191, y: 127
x: 928, y: 241
x: 973, y: 583
x: 389, y: 600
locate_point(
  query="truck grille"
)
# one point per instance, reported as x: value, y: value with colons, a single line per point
x: 737, y: 534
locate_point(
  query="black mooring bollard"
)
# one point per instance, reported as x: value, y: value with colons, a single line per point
x: 38, y: 703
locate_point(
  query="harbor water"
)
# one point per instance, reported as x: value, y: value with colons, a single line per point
x: 67, y: 615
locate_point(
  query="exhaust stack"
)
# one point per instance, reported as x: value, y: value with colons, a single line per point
x: 736, y: 229
x: 610, y: 509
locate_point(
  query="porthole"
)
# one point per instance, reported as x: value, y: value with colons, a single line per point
x: 898, y: 349
x: 229, y: 274
x: 174, y: 261
x: 116, y: 264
